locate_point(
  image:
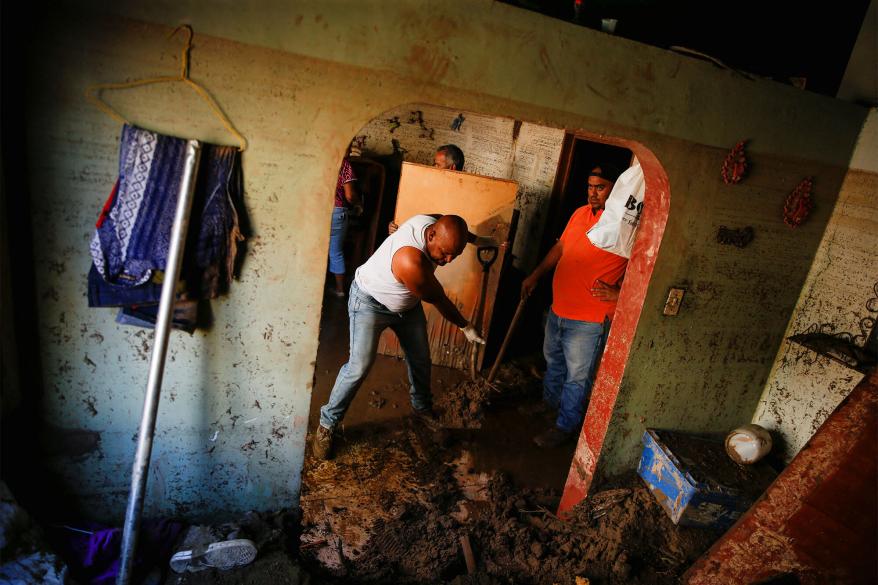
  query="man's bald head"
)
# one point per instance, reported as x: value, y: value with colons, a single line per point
x: 446, y: 239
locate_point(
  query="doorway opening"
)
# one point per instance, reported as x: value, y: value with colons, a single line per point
x: 388, y: 465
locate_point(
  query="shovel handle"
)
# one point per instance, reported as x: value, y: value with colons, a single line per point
x: 506, y: 340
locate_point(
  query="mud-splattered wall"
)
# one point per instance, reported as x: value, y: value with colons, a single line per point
x: 299, y: 80
x: 839, y: 296
x: 704, y: 369
x: 492, y: 146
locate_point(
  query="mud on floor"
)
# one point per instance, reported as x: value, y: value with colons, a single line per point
x: 463, y: 405
x: 397, y: 501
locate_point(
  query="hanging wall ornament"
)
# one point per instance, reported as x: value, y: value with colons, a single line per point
x: 735, y: 165
x: 799, y: 203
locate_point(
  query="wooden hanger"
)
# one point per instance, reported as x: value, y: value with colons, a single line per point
x: 92, y: 93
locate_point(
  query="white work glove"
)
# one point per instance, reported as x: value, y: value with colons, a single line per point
x: 471, y: 334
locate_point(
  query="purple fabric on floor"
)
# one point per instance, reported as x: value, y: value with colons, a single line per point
x: 95, y: 558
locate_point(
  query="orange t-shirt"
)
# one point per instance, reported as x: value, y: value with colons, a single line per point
x: 580, y: 266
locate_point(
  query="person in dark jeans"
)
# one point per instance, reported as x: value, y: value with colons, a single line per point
x: 347, y: 201
x: 585, y: 289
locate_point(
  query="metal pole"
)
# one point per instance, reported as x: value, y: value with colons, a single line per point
x: 140, y: 471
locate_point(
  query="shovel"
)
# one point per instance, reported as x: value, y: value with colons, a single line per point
x: 506, y: 339
x: 486, y: 255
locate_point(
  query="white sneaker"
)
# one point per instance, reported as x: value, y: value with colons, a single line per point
x: 224, y: 555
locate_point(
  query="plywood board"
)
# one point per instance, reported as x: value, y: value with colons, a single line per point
x: 486, y: 204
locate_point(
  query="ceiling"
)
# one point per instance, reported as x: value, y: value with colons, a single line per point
x: 776, y: 39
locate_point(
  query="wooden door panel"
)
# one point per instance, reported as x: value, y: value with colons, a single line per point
x: 486, y: 204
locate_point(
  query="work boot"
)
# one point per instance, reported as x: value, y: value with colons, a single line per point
x: 321, y: 444
x: 554, y: 437
x: 428, y: 417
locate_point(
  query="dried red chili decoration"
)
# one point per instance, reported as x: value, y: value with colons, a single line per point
x: 799, y: 203
x: 735, y: 164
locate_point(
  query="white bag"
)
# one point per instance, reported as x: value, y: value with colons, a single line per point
x: 616, y: 230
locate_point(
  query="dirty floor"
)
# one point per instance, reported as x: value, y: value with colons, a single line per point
x: 499, y: 442
x: 399, y: 503
x: 471, y: 503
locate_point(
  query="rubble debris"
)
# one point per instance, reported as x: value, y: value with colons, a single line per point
x: 468, y: 556
x: 25, y: 554
x: 463, y: 405
x: 274, y: 534
x: 402, y: 506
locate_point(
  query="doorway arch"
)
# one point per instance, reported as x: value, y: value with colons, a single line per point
x: 607, y: 384
x: 628, y: 309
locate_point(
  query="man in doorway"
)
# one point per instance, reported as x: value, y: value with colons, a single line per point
x: 585, y: 289
x: 387, y: 292
x: 449, y: 157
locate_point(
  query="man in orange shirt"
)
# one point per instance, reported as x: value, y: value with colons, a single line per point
x: 584, y: 293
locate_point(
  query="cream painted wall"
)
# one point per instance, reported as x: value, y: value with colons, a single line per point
x: 299, y: 80
x: 840, y: 295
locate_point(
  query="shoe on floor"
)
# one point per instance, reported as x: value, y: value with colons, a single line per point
x: 554, y: 437
x: 321, y: 443
x: 223, y: 555
x: 428, y: 418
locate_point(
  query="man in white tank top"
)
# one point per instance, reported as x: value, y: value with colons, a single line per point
x: 387, y: 292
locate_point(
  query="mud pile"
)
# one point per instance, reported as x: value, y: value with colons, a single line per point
x: 619, y: 535
x: 463, y: 405
x: 418, y: 500
x: 398, y: 503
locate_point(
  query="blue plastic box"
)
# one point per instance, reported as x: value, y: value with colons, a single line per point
x: 699, y: 485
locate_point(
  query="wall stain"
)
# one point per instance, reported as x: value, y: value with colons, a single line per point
x: 70, y: 442
x: 428, y: 62
x: 596, y: 92
x: 51, y: 293
x: 90, y: 403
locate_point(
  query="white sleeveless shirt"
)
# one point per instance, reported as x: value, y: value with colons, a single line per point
x: 376, y: 278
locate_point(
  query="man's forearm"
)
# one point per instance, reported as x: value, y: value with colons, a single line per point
x: 351, y: 194
x: 448, y: 310
x: 548, y: 263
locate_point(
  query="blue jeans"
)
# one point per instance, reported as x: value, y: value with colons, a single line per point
x: 368, y: 318
x: 572, y: 350
x: 336, y: 240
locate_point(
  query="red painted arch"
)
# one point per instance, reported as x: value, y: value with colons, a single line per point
x: 612, y: 368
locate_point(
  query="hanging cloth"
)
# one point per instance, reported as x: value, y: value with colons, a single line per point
x: 132, y: 238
